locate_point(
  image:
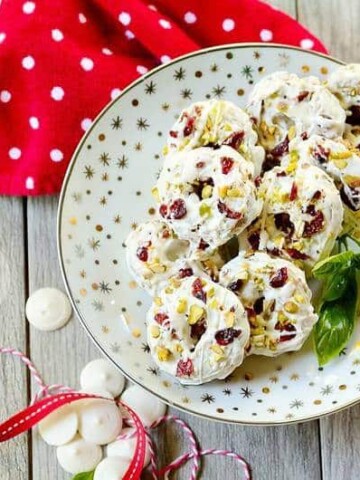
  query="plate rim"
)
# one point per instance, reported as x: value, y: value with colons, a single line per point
x: 62, y: 196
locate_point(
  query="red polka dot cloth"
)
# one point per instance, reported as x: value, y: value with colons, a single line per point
x: 61, y: 61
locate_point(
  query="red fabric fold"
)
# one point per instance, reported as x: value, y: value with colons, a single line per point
x: 62, y: 61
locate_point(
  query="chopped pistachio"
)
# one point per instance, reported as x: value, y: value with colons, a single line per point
x: 204, y: 210
x: 282, y: 107
x: 155, y: 193
x: 211, y: 292
x: 272, y: 130
x: 179, y: 348
x: 175, y: 282
x: 291, y: 307
x: 158, y: 301
x: 207, y: 191
x: 196, y: 313
x: 292, y: 132
x: 217, y: 349
x: 299, y: 298
x: 214, y: 304
x: 340, y: 155
x: 223, y: 191
x: 169, y: 290
x: 234, y: 192
x: 157, y: 267
x: 229, y: 319
x: 155, y: 331
x: 165, y: 150
x: 182, y: 305
x: 163, y: 354
x: 282, y: 317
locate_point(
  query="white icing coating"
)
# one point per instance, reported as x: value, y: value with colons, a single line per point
x: 301, y: 218
x: 198, y: 331
x: 125, y: 448
x: 148, y: 407
x: 286, y: 106
x: 154, y: 254
x: 59, y: 427
x: 281, y: 316
x: 111, y: 468
x: 345, y: 84
x: 207, y: 195
x: 101, y: 375
x: 216, y: 122
x: 79, y: 456
x: 48, y: 309
x: 100, y: 421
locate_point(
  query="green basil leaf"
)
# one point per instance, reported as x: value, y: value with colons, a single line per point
x: 336, y: 323
x: 335, y: 286
x: 334, y: 264
x: 84, y: 476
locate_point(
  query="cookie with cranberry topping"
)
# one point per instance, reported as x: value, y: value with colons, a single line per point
x: 276, y: 298
x: 301, y: 218
x: 344, y: 83
x: 285, y: 106
x: 154, y: 254
x: 197, y: 330
x: 207, y: 196
x: 215, y: 123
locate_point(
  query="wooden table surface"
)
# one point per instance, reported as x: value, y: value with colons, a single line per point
x: 326, y: 449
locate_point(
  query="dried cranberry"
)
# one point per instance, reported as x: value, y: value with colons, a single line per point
x: 160, y: 318
x: 223, y: 208
x: 315, y: 226
x: 280, y: 149
x: 142, y: 254
x: 200, y: 184
x: 226, y: 336
x: 200, y: 165
x: 203, y: 245
x: 279, y: 279
x: 354, y: 118
x: 254, y: 240
x: 173, y: 134
x: 281, y: 174
x: 184, y: 368
x: 235, y: 286
x: 317, y: 195
x: 234, y: 140
x: 274, y: 251
x: 178, y: 209
x: 304, y: 136
x: 226, y: 164
x: 283, y: 223
x: 270, y: 162
x: 257, y: 181
x: 166, y: 234
x: 198, y: 291
x: 321, y: 154
x: 174, y: 334
x: 163, y: 210
x: 310, y: 209
x: 259, y: 305
x: 352, y: 200
x: 295, y: 254
x: 293, y: 192
x: 302, y: 95
x: 185, y: 272
x: 287, y: 327
x: 189, y: 127
x: 198, y: 329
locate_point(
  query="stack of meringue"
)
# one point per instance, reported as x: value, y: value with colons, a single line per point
x: 92, y: 435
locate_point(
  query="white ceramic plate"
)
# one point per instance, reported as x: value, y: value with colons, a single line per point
x: 107, y: 192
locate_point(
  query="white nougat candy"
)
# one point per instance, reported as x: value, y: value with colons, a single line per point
x: 79, y: 456
x: 59, y: 427
x: 100, y: 375
x: 125, y: 448
x: 111, y: 468
x: 48, y: 309
x: 145, y: 405
x: 100, y: 421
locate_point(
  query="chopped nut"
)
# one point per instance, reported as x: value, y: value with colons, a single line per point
x: 169, y: 290
x: 175, y: 282
x: 217, y: 349
x: 292, y: 132
x: 158, y: 301
x: 182, y: 305
x: 206, y: 192
x: 223, y: 191
x: 163, y: 354
x: 340, y: 163
x: 179, y: 348
x: 165, y: 150
x: 204, y: 210
x: 234, y: 192
x: 157, y: 267
x: 282, y: 317
x: 196, y: 313
x: 155, y: 331
x: 299, y: 298
x: 340, y: 155
x: 272, y: 130
x: 229, y: 319
x: 282, y: 107
x: 211, y: 292
x: 155, y: 194
x: 214, y: 304
x: 291, y: 307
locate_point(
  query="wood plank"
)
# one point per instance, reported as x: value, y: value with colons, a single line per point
x: 62, y: 354
x: 336, y: 23
x: 14, y: 455
x: 288, y: 6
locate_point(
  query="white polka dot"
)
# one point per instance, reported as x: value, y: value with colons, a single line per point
x: 141, y: 69
x: 124, y: 18
x: 29, y: 183
x: 57, y: 93
x: 87, y: 64
x: 190, y: 17
x: 2, y: 37
x: 165, y: 23
x: 29, y: 7
x: 86, y: 123
x: 15, y: 153
x: 307, y: 43
x: 266, y: 35
x: 56, y: 155
x: 82, y: 18
x: 106, y: 51
x: 34, y: 123
x: 152, y: 7
x: 165, y: 59
x: 129, y: 34
x: 57, y: 35
x: 28, y: 62
x: 5, y: 96
x: 228, y: 24
x: 115, y: 92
